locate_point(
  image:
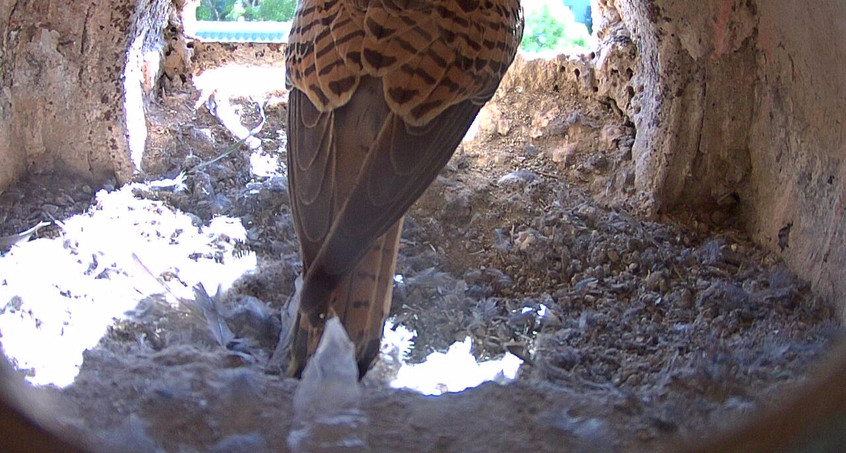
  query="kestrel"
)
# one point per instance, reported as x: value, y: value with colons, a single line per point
x: 382, y: 92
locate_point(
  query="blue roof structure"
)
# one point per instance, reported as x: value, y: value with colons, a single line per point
x: 263, y: 32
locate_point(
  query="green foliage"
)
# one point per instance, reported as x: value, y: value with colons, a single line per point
x: 214, y: 9
x: 237, y: 12
x: 276, y: 10
x: 247, y: 10
x: 550, y: 26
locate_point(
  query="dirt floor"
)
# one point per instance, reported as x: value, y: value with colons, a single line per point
x: 633, y: 332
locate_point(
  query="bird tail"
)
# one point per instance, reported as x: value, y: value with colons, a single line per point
x: 362, y: 301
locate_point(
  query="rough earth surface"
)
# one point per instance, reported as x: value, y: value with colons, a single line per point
x: 634, y: 332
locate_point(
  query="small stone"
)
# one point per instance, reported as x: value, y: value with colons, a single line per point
x: 517, y: 177
x: 525, y: 239
x: 531, y: 150
x: 613, y: 256
x: 566, y: 154
x: 611, y: 135
x: 685, y: 299
x: 503, y: 126
x: 598, y: 163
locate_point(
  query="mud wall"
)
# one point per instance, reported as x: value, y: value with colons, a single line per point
x: 62, y: 97
x: 742, y: 114
x: 798, y: 140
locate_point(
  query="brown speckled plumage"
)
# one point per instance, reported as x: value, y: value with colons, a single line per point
x: 382, y: 91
